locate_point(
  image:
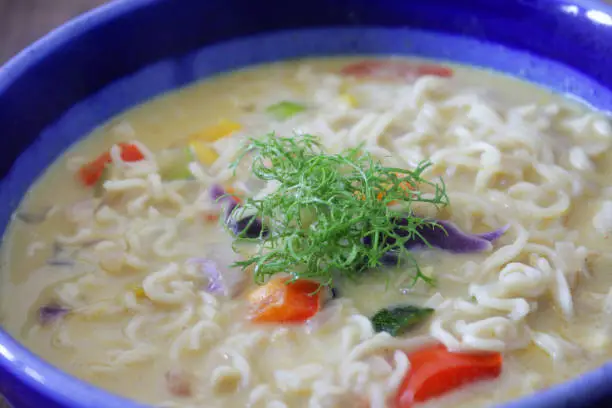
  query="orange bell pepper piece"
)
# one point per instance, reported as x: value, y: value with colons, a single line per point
x: 284, y: 301
x: 435, y: 371
x: 90, y: 173
x: 394, y: 70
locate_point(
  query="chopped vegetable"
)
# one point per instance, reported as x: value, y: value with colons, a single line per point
x: 390, y: 258
x: 178, y: 382
x: 328, y: 294
x: 398, y: 320
x: 285, y: 109
x: 349, y: 99
x: 139, y: 291
x: 326, y: 203
x: 215, y: 132
x: 227, y: 281
x: 335, y: 293
x: 50, y: 313
x: 447, y: 236
x: 33, y: 217
x: 248, y: 227
x: 394, y: 70
x: 174, y: 163
x: 405, y: 185
x: 204, y: 153
x: 493, y: 236
x: 218, y: 193
x: 130, y: 152
x: 98, y: 187
x: 91, y: 172
x: 211, y: 217
x: 232, y: 194
x: 282, y: 300
x: 435, y: 371
x: 438, y: 234
x: 230, y: 203
x: 60, y: 262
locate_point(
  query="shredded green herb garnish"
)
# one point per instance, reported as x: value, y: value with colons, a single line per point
x: 325, y: 205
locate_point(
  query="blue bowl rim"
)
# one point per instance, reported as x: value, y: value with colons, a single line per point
x: 91, y: 19
x: 69, y: 391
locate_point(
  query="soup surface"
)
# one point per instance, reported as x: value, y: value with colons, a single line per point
x: 119, y: 265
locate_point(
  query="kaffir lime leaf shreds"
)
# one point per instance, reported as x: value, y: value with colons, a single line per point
x: 325, y: 206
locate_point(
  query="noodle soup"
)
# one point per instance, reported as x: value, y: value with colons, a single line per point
x: 323, y: 233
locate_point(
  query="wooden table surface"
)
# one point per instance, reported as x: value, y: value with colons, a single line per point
x: 23, y: 21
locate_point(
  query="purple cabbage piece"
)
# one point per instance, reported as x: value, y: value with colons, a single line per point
x: 247, y: 227
x: 216, y: 192
x: 443, y: 235
x: 227, y: 281
x: 50, y: 313
x: 448, y: 237
x: 494, y: 235
x: 210, y: 270
x: 390, y: 258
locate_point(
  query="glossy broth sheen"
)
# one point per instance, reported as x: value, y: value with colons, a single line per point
x: 140, y: 322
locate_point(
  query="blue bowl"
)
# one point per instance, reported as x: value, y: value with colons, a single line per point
x: 124, y: 53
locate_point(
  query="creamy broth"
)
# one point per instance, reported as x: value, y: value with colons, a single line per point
x: 139, y: 322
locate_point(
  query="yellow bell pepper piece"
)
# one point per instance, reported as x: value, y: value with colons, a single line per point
x: 349, y: 99
x: 139, y: 292
x: 204, y: 153
x: 215, y: 132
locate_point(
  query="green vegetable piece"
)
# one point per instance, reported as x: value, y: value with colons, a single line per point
x: 285, y: 109
x: 398, y: 320
x: 98, y: 188
x: 174, y: 163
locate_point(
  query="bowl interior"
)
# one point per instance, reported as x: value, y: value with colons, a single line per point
x: 38, y: 132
